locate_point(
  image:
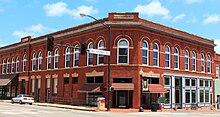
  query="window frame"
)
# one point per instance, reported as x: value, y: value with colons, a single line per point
x: 24, y: 65
x: 89, y: 56
x: 34, y: 62
x: 67, y: 56
x: 194, y: 60
x: 12, y: 65
x: 209, y: 64
x: 123, y: 47
x: 202, y: 63
x: 101, y: 46
x: 40, y: 58
x: 186, y: 60
x: 76, y: 56
x: 145, y: 49
x: 49, y: 57
x: 157, y: 51
x: 167, y: 53
x: 56, y: 58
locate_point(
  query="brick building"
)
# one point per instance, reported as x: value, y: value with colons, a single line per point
x: 148, y: 60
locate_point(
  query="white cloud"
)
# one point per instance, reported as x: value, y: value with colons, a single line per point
x: 193, y: 1
x: 20, y: 33
x: 33, y: 30
x: 152, y: 9
x: 217, y: 48
x: 178, y: 17
x: 211, y: 19
x: 60, y: 9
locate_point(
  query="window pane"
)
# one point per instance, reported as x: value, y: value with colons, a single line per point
x: 187, y: 82
x: 167, y: 97
x: 90, y: 80
x: 193, y: 82
x: 206, y: 95
x: 98, y: 79
x: 193, y: 96
x: 123, y: 51
x: 201, y: 96
x: 167, y: 81
x: 201, y: 83
x: 122, y: 59
x: 187, y: 96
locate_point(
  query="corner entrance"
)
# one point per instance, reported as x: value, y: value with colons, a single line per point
x: 122, y: 99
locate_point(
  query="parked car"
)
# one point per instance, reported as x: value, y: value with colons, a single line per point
x: 23, y: 98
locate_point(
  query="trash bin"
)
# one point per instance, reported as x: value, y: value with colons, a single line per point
x: 154, y: 107
x: 100, y: 103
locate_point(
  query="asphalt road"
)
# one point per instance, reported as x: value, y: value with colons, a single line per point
x: 25, y: 110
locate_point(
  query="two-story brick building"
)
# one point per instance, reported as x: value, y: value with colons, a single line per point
x: 148, y: 60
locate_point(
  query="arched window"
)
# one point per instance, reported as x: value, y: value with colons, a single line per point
x: 145, y: 53
x: 176, y: 58
x: 167, y: 57
x: 40, y: 61
x: 67, y: 58
x: 34, y: 62
x: 17, y: 64
x: 202, y: 63
x: 3, y: 66
x: 186, y: 56
x: 209, y: 64
x: 123, y: 51
x: 76, y: 56
x: 155, y: 55
x: 49, y: 60
x: 7, y: 66
x: 12, y: 65
x: 193, y: 61
x: 56, y: 58
x: 24, y: 63
x: 89, y: 55
x: 100, y: 57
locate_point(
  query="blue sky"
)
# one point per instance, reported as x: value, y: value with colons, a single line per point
x: 19, y: 18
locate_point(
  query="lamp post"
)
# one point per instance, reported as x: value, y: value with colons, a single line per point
x: 108, y: 43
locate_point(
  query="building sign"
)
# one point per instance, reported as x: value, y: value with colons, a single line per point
x: 145, y: 84
x: 123, y: 16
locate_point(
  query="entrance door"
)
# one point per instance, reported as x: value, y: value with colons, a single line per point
x: 122, y: 99
x: 218, y: 102
x: 47, y: 94
x: 38, y: 95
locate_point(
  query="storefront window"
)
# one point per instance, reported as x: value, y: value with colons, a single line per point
x: 206, y: 83
x: 187, y: 96
x: 166, y: 81
x: 193, y: 96
x: 201, y: 83
x: 206, y: 95
x: 187, y: 82
x: 193, y: 81
x: 167, y: 97
x: 201, y: 95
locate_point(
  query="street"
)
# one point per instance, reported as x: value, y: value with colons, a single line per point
x: 25, y: 110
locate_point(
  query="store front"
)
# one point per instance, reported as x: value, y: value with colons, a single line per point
x: 8, y: 86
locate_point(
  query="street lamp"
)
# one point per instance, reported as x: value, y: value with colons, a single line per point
x: 108, y: 27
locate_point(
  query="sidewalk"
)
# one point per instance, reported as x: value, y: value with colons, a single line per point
x: 114, y: 110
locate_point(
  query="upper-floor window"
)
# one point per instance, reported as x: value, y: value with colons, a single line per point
x: 209, y: 64
x: 34, y: 62
x: 76, y: 57
x: 56, y: 58
x: 49, y: 56
x: 100, y: 57
x: 176, y: 58
x: 155, y: 55
x: 12, y: 65
x: 40, y: 61
x: 217, y: 71
x: 202, y: 63
x: 145, y: 53
x: 3, y: 66
x: 7, y: 66
x: 193, y: 61
x: 24, y: 63
x: 186, y: 56
x: 17, y: 64
x: 67, y: 57
x: 89, y: 55
x: 123, y: 52
x: 167, y: 57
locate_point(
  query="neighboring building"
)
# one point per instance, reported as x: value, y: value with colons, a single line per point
x: 217, y: 82
x: 148, y: 60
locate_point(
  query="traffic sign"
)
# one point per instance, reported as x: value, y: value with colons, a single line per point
x: 96, y: 51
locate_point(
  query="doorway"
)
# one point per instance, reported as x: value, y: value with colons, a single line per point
x: 122, y: 98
